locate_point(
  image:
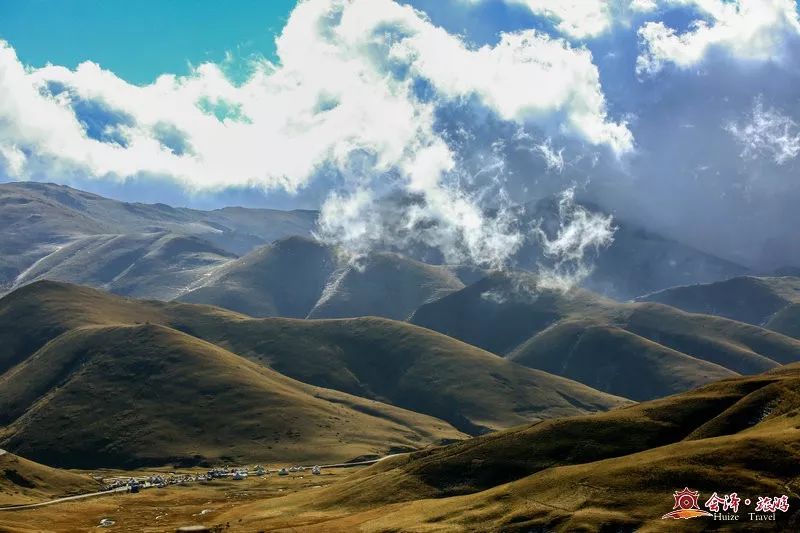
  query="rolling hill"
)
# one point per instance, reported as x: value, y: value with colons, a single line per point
x: 384, y: 284
x: 502, y: 310
x: 596, y: 354
x: 285, y: 278
x: 602, y: 343
x: 23, y: 481
x: 579, y: 473
x: 147, y: 265
x: 298, y: 277
x: 411, y: 367
x: 129, y: 396
x: 786, y: 321
x: 749, y: 299
x: 50, y: 223
x: 380, y: 359
x: 38, y: 219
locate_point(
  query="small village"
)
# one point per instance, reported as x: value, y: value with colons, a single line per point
x: 160, y: 481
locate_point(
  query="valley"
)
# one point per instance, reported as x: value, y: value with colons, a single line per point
x: 399, y: 266
x: 436, y: 397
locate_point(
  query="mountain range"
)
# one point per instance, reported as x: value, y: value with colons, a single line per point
x: 157, y: 251
x: 140, y: 336
x: 41, y: 219
x: 755, y: 300
x: 209, y: 384
x: 636, y: 350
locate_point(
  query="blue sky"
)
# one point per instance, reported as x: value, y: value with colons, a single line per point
x: 679, y: 114
x: 141, y: 39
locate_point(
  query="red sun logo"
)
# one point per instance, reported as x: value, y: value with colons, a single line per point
x: 686, y: 505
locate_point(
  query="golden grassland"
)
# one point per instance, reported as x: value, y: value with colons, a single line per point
x: 158, y: 510
x: 23, y: 481
x: 607, y: 472
x: 138, y: 395
x: 382, y: 360
x: 498, y: 313
x: 613, y: 471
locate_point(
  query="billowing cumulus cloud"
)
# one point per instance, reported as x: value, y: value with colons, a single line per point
x: 411, y: 133
x: 749, y: 29
x: 356, y: 93
x: 345, y: 84
x: 575, y: 18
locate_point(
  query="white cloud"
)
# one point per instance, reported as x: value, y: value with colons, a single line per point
x: 767, y: 133
x: 579, y: 234
x: 643, y: 6
x: 748, y: 29
x: 553, y: 159
x: 526, y: 76
x: 13, y: 160
x: 343, y: 86
x: 575, y: 18
x: 585, y: 19
x: 342, y: 97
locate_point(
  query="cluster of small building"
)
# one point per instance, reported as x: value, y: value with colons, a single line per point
x: 133, y: 485
x: 316, y: 470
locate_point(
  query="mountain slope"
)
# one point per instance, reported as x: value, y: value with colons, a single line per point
x: 149, y: 265
x: 285, y: 278
x: 380, y: 359
x: 23, y: 481
x: 578, y: 473
x: 786, y: 321
x: 387, y: 285
x: 127, y: 396
x: 508, y: 314
x: 747, y: 299
x: 638, y: 261
x: 503, y: 310
x: 412, y: 368
x: 298, y: 278
x: 614, y: 360
x: 39, y: 218
x: 744, y: 348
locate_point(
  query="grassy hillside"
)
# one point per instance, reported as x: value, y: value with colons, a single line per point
x: 380, y: 359
x: 148, y: 265
x: 37, y: 313
x: 39, y: 218
x: 127, y: 396
x: 614, y: 360
x: 387, y: 285
x: 743, y: 348
x: 786, y: 321
x: 642, y: 350
x: 747, y: 299
x: 23, y: 481
x: 500, y: 311
x: 410, y: 367
x: 607, y: 472
x: 298, y: 278
x: 285, y: 278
